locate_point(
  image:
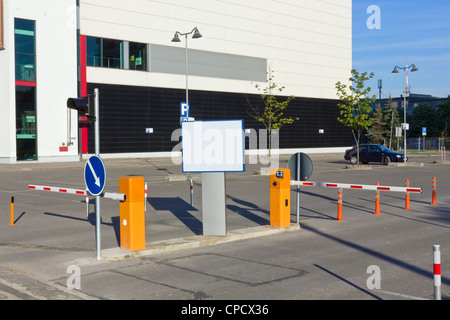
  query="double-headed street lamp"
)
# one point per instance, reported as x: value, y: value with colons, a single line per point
x: 407, y: 91
x: 176, y: 38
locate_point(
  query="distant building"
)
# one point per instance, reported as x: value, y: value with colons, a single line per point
x: 414, y: 100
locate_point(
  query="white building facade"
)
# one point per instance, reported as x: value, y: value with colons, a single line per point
x: 56, y: 49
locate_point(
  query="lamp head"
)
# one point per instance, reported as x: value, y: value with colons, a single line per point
x: 197, y: 34
x: 176, y: 38
x: 395, y: 70
x: 414, y: 68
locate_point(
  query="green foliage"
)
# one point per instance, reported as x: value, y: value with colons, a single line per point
x: 271, y: 113
x: 377, y: 132
x: 436, y: 120
x: 354, y: 108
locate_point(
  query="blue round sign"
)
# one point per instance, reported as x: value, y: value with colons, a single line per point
x: 95, y: 175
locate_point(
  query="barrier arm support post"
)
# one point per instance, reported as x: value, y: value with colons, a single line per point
x: 132, y: 213
x: 12, y: 211
x: 377, y: 202
x: 407, y: 207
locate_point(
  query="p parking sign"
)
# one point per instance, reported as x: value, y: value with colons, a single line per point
x: 184, y: 110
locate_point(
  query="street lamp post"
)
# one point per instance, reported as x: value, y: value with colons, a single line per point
x: 406, y: 93
x: 176, y: 38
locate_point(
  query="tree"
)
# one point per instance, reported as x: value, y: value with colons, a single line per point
x: 424, y: 116
x: 391, y: 117
x: 377, y: 132
x: 355, y: 104
x: 271, y: 112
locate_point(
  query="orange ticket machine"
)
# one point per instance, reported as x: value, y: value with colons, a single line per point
x: 132, y: 213
x: 280, y: 198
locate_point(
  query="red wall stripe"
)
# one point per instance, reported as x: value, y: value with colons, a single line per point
x: 26, y: 83
x: 83, y: 88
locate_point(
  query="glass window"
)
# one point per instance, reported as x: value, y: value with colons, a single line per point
x: 93, y: 52
x: 138, y: 56
x: 25, y: 50
x: 112, y: 53
x: 26, y: 122
x: 106, y: 53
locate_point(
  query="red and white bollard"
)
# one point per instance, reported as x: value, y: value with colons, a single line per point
x: 86, y: 199
x: 437, y: 272
x: 192, y: 192
x: 145, y: 195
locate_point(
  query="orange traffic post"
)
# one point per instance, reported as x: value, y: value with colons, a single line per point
x: 132, y: 213
x: 377, y: 201
x: 339, y: 215
x: 407, y: 207
x: 12, y: 211
x: 434, y: 203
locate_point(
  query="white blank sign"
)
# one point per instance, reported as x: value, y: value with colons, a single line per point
x: 213, y: 146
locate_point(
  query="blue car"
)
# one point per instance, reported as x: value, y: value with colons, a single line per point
x: 374, y: 153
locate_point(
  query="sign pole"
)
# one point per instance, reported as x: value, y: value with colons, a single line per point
x: 97, y: 153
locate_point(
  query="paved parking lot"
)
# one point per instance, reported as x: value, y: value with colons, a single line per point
x: 54, y: 230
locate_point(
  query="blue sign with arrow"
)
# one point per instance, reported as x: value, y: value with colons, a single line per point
x: 95, y: 175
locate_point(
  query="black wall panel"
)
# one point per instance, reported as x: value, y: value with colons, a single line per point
x: 126, y: 111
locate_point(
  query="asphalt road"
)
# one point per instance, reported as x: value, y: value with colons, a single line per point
x: 324, y: 260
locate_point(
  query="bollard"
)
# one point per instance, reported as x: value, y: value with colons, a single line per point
x: 434, y: 203
x: 192, y: 192
x: 407, y: 207
x: 12, y: 211
x: 339, y: 215
x: 377, y: 201
x: 145, y: 195
x: 437, y: 272
x: 86, y: 199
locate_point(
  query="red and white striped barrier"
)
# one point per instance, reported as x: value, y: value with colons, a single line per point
x: 113, y: 196
x: 355, y: 186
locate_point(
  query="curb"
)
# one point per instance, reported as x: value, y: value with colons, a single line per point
x: 165, y: 246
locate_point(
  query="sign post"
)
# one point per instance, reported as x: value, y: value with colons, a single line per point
x: 213, y: 148
x: 301, y: 167
x: 424, y: 134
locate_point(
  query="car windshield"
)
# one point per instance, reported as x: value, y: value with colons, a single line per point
x: 384, y: 149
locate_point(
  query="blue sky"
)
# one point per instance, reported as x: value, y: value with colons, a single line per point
x: 412, y: 32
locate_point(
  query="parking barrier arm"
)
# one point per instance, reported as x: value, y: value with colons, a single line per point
x: 355, y: 186
x: 108, y: 195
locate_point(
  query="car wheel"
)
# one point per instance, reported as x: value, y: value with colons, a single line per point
x: 387, y: 160
x: 353, y: 160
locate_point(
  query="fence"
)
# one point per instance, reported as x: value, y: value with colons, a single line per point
x: 431, y: 143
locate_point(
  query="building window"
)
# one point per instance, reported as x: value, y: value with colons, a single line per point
x: 118, y: 54
x: 107, y: 53
x: 25, y: 50
x: 93, y: 52
x: 25, y: 54
x: 26, y: 122
x: 112, y: 53
x: 138, y: 56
